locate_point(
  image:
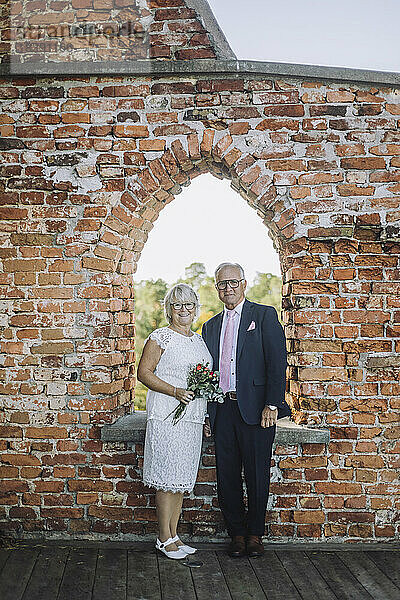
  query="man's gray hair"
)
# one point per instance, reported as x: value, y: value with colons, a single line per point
x: 181, y: 292
x: 229, y: 264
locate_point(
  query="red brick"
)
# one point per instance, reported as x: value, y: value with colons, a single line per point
x: 207, y: 141
x: 131, y: 131
x: 152, y: 145
x: 355, y: 190
x: 309, y: 516
x: 393, y: 109
x: 278, y: 124
x: 10, y: 431
x: 284, y: 110
x: 88, y: 485
x: 62, y: 513
x: 339, y: 96
x: 19, y: 512
x: 285, y: 165
x: 363, y: 163
x: 108, y: 512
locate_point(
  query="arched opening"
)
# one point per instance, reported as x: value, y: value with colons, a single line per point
x: 206, y: 224
x: 125, y: 231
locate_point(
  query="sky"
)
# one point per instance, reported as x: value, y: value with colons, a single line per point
x: 362, y: 34
x: 211, y: 222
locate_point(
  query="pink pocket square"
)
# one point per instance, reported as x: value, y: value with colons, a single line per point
x: 251, y: 326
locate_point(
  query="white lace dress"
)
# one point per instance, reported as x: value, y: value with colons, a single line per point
x: 172, y: 452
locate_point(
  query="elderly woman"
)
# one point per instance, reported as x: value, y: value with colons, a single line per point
x: 172, y: 451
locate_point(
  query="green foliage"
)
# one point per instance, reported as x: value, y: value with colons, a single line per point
x: 149, y: 296
x: 149, y: 312
x: 149, y: 315
x: 203, y: 284
x: 195, y: 274
x: 266, y: 289
x: 140, y: 396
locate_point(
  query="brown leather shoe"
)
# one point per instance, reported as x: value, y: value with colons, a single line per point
x: 237, y: 547
x: 254, y: 546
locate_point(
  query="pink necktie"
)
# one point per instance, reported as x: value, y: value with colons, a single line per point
x: 226, y: 354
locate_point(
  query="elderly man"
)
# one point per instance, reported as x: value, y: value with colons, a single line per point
x: 247, y: 344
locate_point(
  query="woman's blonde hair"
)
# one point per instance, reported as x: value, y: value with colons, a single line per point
x: 181, y: 292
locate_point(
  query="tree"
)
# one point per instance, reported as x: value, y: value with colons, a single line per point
x: 149, y: 315
x: 210, y: 304
x: 195, y: 275
x: 266, y: 289
x: 149, y: 296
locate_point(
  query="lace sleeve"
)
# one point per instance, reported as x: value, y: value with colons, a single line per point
x: 161, y: 336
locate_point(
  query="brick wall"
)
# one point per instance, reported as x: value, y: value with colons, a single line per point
x: 86, y: 165
x: 101, y: 30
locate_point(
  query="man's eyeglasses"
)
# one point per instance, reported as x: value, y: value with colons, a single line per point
x: 179, y: 305
x: 233, y: 283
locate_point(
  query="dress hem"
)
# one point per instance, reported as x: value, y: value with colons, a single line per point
x: 165, y: 488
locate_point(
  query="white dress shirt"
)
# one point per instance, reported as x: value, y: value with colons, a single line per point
x: 236, y: 322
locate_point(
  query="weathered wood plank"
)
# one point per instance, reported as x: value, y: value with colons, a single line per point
x: 273, y: 577
x: 240, y: 578
x: 370, y: 576
x: 208, y: 579
x: 304, y: 575
x: 389, y: 563
x: 176, y: 579
x: 17, y: 573
x: 143, y: 581
x: 47, y: 574
x: 38, y: 573
x: 77, y: 582
x: 110, y: 578
x: 338, y: 576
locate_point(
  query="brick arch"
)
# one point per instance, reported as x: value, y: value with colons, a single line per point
x: 113, y: 256
x: 158, y: 183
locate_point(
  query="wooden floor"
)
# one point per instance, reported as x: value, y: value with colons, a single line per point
x: 51, y: 572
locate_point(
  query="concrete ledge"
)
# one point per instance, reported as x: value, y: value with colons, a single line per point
x: 131, y: 428
x: 208, y: 67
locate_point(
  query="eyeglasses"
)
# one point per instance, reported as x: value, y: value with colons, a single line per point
x: 179, y: 305
x: 233, y: 283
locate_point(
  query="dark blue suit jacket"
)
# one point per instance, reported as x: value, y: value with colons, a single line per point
x: 260, y: 361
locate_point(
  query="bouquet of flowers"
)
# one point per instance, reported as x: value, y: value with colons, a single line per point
x: 204, y: 384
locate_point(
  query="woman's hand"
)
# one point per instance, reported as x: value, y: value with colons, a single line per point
x: 184, y: 396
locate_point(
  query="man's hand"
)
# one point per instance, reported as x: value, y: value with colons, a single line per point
x: 207, y: 428
x: 268, y: 417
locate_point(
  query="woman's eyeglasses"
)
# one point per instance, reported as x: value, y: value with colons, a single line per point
x: 233, y: 283
x: 179, y: 305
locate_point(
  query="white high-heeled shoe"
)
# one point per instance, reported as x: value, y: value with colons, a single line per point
x: 176, y: 554
x: 184, y: 547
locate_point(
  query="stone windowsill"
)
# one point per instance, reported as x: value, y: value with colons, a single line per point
x: 131, y: 428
